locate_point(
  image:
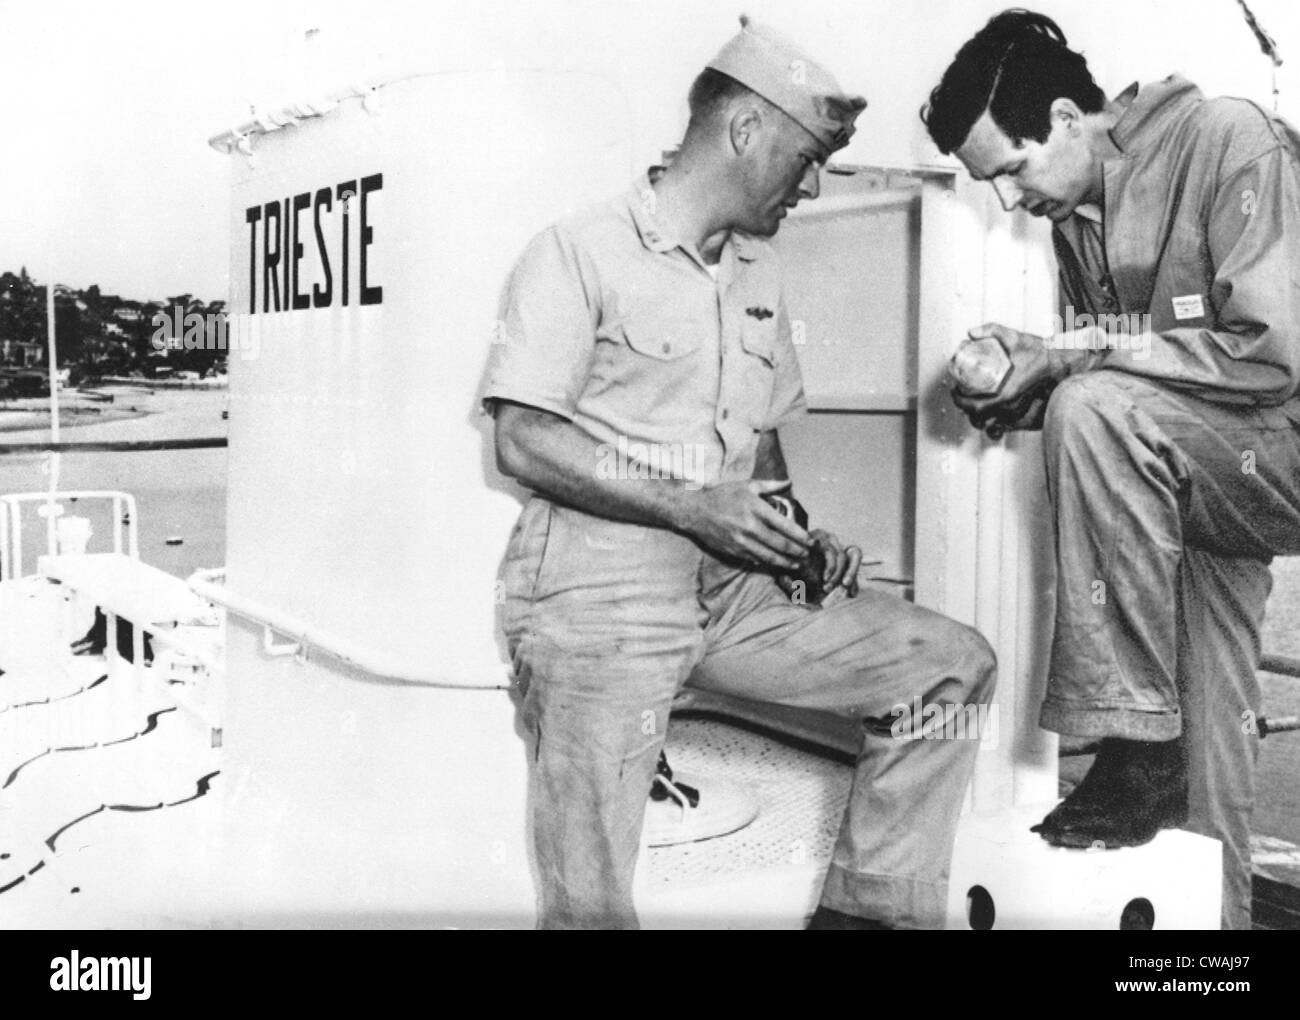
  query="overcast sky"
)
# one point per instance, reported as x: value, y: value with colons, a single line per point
x: 107, y: 174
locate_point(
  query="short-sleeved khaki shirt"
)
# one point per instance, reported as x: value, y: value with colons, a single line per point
x: 616, y: 327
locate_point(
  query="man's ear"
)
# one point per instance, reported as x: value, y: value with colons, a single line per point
x: 1068, y: 113
x: 745, y: 125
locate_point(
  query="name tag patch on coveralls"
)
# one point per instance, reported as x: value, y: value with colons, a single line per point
x: 1189, y: 306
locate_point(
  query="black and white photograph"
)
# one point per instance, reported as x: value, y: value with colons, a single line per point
x: 819, y: 465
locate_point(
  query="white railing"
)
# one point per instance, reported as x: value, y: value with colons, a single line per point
x: 52, y: 505
x: 11, y: 524
x: 378, y: 662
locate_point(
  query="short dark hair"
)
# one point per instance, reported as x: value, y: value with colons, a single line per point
x: 1014, y: 67
x: 712, y: 91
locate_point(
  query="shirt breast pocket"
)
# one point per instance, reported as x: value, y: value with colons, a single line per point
x: 753, y: 395
x: 662, y: 339
x: 1183, y: 295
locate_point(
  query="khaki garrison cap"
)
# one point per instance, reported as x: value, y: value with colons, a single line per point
x: 772, y: 66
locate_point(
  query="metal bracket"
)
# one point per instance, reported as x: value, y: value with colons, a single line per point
x: 269, y: 647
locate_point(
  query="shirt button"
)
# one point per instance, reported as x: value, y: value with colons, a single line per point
x: 668, y: 348
x: 725, y: 414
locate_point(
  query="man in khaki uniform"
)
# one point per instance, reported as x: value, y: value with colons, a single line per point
x: 646, y: 368
x: 1172, y: 432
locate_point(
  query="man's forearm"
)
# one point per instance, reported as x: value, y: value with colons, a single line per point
x: 559, y: 460
x: 556, y: 458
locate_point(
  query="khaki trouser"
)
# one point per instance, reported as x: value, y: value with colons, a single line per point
x: 606, y: 621
x: 1168, y: 509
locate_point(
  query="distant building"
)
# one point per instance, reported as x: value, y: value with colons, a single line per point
x: 22, y: 353
x: 64, y: 291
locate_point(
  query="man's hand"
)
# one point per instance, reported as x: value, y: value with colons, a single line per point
x: 732, y: 520
x: 835, y: 568
x: 841, y: 564
x: 1022, y: 401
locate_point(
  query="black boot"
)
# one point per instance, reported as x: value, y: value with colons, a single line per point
x: 1134, y: 789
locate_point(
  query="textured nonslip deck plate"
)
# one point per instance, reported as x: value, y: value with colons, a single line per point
x: 802, y: 797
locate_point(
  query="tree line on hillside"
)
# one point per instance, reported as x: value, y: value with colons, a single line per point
x: 96, y: 335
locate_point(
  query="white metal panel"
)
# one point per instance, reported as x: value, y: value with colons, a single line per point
x: 365, y: 502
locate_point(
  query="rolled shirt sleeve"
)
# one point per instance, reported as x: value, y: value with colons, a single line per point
x: 545, y: 334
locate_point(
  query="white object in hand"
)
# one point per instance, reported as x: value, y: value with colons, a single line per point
x: 980, y: 367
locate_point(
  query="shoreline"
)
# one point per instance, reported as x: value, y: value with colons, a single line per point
x: 163, y: 384
x: 78, y: 408
x: 32, y: 420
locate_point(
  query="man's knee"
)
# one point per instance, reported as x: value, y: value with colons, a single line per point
x: 1083, y: 408
x: 972, y: 661
x: 982, y: 664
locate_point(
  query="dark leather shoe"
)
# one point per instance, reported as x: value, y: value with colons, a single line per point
x: 826, y: 919
x: 1134, y: 789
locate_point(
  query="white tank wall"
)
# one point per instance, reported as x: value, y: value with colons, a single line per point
x: 363, y: 497
x: 347, y: 802
x: 363, y: 501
